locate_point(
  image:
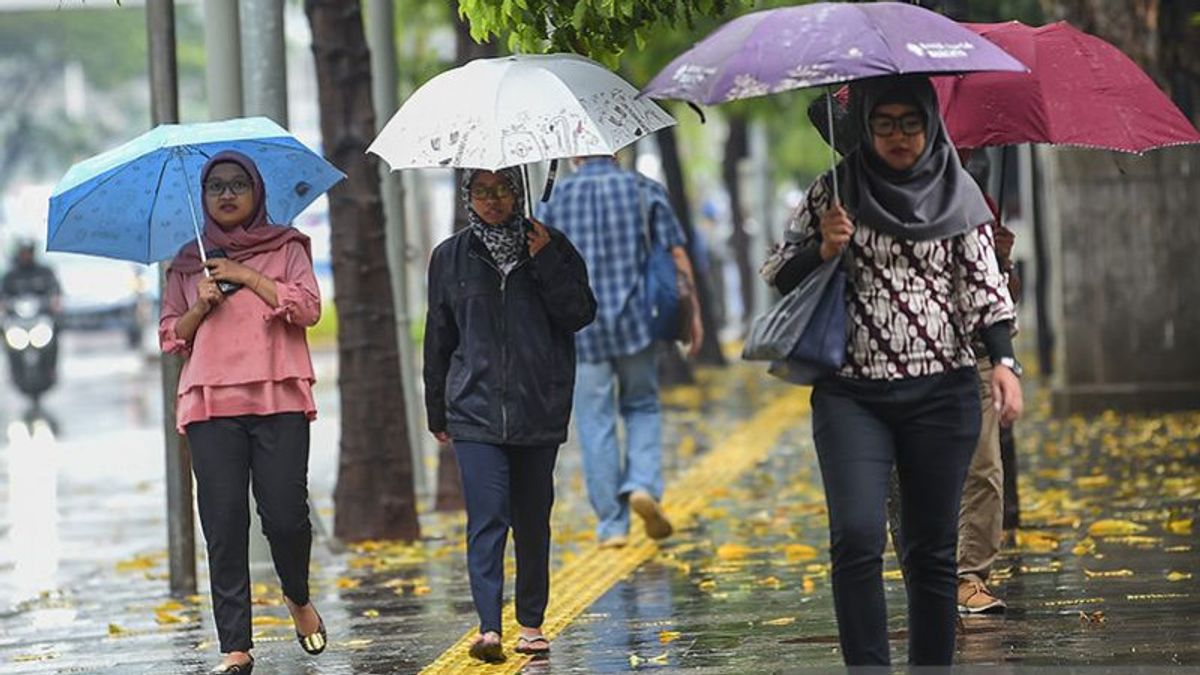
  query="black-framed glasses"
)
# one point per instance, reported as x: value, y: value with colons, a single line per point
x: 498, y: 191
x: 886, y: 125
x: 238, y: 186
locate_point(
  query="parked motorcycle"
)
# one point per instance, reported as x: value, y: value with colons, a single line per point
x: 31, y: 337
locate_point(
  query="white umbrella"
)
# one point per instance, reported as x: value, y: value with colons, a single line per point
x: 496, y: 113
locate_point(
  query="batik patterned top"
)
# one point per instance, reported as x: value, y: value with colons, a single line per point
x: 913, y: 308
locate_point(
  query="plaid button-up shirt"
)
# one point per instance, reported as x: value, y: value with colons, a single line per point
x: 601, y: 212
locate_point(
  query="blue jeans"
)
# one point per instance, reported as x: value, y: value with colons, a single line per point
x: 508, y: 487
x: 628, y: 385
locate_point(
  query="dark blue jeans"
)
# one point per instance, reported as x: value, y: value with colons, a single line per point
x: 928, y: 428
x: 508, y: 486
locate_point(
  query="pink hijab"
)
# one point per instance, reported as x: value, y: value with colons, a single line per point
x: 253, y: 237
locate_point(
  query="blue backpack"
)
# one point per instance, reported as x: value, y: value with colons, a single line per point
x: 660, y: 280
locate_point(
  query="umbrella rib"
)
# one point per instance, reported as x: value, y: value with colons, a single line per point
x: 162, y: 171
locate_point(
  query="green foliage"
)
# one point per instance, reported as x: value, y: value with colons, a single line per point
x: 600, y: 29
x: 422, y: 26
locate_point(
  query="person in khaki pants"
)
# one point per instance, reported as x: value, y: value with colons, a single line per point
x: 981, y: 513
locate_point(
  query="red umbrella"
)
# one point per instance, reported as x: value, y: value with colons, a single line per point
x: 1080, y: 91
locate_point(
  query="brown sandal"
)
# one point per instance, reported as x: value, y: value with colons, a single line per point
x: 488, y: 651
x: 524, y: 644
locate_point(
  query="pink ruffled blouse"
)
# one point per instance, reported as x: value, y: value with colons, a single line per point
x: 246, y: 358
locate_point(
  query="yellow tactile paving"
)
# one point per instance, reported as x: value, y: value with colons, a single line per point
x: 595, y: 570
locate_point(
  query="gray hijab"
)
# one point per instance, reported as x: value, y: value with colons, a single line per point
x: 935, y: 198
x: 504, y: 241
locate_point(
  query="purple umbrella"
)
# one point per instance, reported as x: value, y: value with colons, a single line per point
x: 819, y: 44
x: 822, y: 43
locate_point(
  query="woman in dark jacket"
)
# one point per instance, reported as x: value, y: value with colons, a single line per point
x: 924, y: 284
x: 506, y: 296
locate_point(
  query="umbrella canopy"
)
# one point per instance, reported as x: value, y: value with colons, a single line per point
x: 822, y: 43
x: 1080, y: 91
x: 496, y: 113
x: 142, y: 200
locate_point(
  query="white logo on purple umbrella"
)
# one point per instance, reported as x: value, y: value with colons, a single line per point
x: 940, y: 50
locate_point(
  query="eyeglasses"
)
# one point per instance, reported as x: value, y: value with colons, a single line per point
x: 216, y: 188
x: 499, y: 191
x: 886, y: 125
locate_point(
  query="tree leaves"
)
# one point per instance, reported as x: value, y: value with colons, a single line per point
x: 599, y: 29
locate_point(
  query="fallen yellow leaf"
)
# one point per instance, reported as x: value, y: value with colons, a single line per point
x: 799, y: 552
x: 137, y: 563
x: 1112, y: 527
x: 371, y: 613
x: 668, y: 636
x: 1085, y: 546
x: 707, y: 585
x: 733, y: 551
x: 1107, y: 574
x: 1092, y: 481
x: 1137, y: 540
x: 781, y: 621
x: 346, y: 583
x: 267, y: 620
x: 893, y: 575
x: 114, y: 630
x: 1036, y: 542
x: 809, y: 585
x: 1180, y: 526
x: 166, y: 618
x: 1179, y: 576
x: 29, y: 658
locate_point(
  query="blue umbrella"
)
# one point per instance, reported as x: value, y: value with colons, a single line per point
x: 142, y: 200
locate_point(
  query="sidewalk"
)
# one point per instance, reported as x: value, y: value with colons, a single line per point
x: 1106, y: 574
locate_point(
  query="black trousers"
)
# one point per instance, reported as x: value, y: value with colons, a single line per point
x: 229, y: 456
x: 928, y: 428
x: 508, y: 486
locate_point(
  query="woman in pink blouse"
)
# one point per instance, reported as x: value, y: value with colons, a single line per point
x: 245, y: 395
x: 923, y: 285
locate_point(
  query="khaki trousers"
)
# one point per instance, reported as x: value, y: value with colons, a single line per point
x: 981, y: 515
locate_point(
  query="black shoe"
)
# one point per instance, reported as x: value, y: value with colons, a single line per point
x: 314, y: 643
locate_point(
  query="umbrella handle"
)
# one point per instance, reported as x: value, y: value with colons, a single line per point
x: 837, y: 199
x: 551, y: 176
x: 192, y: 211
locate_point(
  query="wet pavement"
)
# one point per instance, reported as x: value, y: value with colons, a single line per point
x: 1104, y: 573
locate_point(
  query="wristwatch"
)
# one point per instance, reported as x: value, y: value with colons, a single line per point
x: 1012, y: 364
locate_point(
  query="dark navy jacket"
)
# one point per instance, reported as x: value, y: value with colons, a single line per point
x: 500, y: 350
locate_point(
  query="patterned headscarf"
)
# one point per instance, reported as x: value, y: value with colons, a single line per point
x: 504, y: 241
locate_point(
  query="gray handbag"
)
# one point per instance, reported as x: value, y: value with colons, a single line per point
x: 804, y: 334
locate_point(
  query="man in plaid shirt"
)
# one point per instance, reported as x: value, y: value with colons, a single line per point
x: 604, y: 210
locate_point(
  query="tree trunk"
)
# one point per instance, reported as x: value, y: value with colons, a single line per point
x: 374, y: 497
x: 668, y: 146
x: 736, y: 149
